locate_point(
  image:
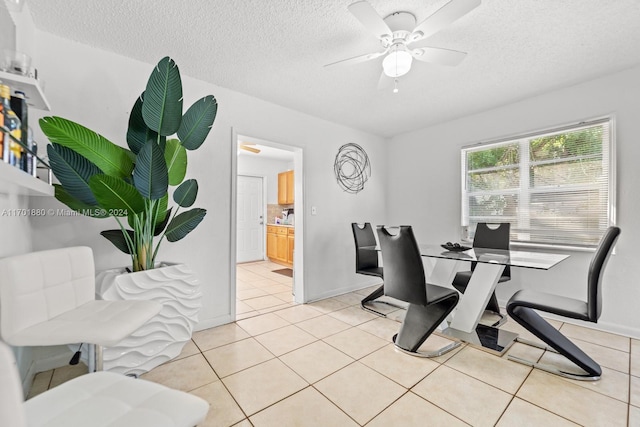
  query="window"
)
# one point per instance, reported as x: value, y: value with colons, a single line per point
x: 554, y: 187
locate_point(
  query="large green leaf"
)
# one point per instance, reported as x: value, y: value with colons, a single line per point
x: 74, y: 204
x: 176, y: 157
x: 110, y: 158
x: 197, y: 122
x: 115, y: 195
x: 160, y: 226
x: 150, y: 175
x: 73, y: 171
x: 138, y: 133
x: 185, y: 195
x: 117, y: 238
x: 162, y: 106
x: 184, y: 223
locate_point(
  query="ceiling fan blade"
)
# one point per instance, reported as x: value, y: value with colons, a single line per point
x: 251, y: 149
x: 444, y: 16
x: 439, y: 56
x: 366, y: 14
x: 359, y: 58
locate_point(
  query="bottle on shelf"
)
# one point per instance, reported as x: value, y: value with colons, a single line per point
x: 11, y: 150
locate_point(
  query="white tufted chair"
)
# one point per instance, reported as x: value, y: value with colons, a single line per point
x: 48, y: 298
x: 101, y: 399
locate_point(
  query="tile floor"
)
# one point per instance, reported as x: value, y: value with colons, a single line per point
x: 329, y: 363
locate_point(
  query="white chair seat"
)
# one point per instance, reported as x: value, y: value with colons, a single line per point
x: 105, y: 399
x: 101, y: 399
x: 98, y: 322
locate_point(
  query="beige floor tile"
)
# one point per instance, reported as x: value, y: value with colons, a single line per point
x: 634, y: 416
x: 524, y: 414
x: 349, y: 298
x: 634, y: 395
x: 513, y: 326
x: 264, y: 282
x: 323, y: 326
x: 353, y: 315
x: 355, y: 342
x: 486, y: 367
x: 263, y: 385
x: 219, y: 336
x: 243, y: 286
x: 234, y: 357
x: 605, y: 339
x: 224, y: 411
x: 524, y: 351
x: 284, y: 280
x: 261, y: 324
x: 285, y: 296
x: 328, y: 305
x: 413, y: 411
x: 189, y: 349
x: 275, y: 308
x: 248, y: 276
x: 242, y: 308
x: 397, y: 315
x: 261, y: 303
x: 360, y: 391
x: 295, y: 411
x: 635, y: 357
x: 185, y: 374
x: 40, y: 383
x: 367, y: 291
x: 244, y: 423
x: 402, y: 368
x: 298, y: 313
x: 276, y: 289
x: 381, y: 327
x: 316, y: 361
x: 571, y: 401
x: 612, y: 383
x: 381, y: 307
x: 247, y: 315
x: 285, y: 339
x: 66, y: 373
x: 436, y: 342
x: 250, y: 293
x: 471, y: 400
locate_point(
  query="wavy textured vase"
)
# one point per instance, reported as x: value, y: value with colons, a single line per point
x: 162, y: 338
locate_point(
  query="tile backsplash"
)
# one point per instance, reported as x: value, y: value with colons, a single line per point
x: 274, y: 211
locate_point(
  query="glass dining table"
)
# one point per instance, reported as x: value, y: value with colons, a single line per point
x: 464, y: 324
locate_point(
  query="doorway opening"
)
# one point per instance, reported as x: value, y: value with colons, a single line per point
x: 267, y: 233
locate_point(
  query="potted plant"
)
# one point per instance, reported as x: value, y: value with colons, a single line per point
x: 101, y: 179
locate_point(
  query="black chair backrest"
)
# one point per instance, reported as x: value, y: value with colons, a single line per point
x: 403, y: 269
x: 363, y: 237
x: 596, y: 270
x: 493, y: 236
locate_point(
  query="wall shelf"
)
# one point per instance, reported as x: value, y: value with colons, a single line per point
x: 30, y: 86
x: 16, y: 181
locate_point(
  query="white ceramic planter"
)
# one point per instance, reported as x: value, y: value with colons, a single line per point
x: 161, y: 339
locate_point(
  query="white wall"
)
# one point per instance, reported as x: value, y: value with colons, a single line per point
x: 97, y: 89
x: 424, y: 185
x: 267, y: 168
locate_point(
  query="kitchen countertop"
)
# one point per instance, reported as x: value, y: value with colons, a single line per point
x: 283, y: 225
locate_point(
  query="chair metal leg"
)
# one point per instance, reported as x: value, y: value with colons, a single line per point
x: 420, y: 322
x: 94, y: 358
x: 535, y: 324
x: 374, y: 296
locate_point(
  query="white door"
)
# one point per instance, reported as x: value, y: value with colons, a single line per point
x: 250, y: 221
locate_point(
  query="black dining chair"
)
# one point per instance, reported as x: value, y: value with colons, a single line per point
x: 404, y: 279
x: 491, y: 236
x: 522, y: 304
x: 367, y: 261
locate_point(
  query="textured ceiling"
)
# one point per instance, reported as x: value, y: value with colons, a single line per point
x: 275, y: 50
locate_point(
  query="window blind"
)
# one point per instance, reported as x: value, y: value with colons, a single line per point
x: 554, y: 187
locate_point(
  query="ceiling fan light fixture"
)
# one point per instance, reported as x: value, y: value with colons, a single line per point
x: 397, y: 63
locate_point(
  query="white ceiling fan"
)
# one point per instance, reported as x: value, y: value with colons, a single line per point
x: 398, y: 31
x: 247, y: 147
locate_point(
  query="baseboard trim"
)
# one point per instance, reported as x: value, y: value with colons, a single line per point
x: 343, y: 290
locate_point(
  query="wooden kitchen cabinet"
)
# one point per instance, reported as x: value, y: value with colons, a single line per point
x: 280, y: 244
x: 285, y: 188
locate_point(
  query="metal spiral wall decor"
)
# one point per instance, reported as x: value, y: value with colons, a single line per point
x: 352, y: 168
